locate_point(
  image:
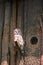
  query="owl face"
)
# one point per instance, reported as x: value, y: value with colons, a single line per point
x: 17, y: 32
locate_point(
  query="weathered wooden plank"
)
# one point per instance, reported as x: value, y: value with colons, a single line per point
x: 41, y: 24
x: 12, y: 27
x: 1, y: 26
x: 18, y: 25
x: 31, y: 27
x: 5, y: 40
x: 19, y: 15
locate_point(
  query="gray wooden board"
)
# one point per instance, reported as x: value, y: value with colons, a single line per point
x: 12, y: 27
x: 31, y: 27
x: 5, y: 40
x: 1, y: 25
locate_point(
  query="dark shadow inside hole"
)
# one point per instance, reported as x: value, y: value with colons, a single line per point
x: 34, y: 40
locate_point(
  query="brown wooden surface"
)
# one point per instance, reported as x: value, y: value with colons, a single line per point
x: 12, y: 27
x: 27, y: 19
x: 5, y: 40
x: 1, y: 25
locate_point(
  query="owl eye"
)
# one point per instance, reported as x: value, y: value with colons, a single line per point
x: 15, y: 32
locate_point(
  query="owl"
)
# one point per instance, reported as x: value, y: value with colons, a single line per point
x: 18, y: 39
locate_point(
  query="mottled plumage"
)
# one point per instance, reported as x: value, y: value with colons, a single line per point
x: 18, y: 38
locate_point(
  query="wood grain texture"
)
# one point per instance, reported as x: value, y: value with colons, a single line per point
x: 5, y: 40
x: 12, y: 27
x: 1, y: 26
